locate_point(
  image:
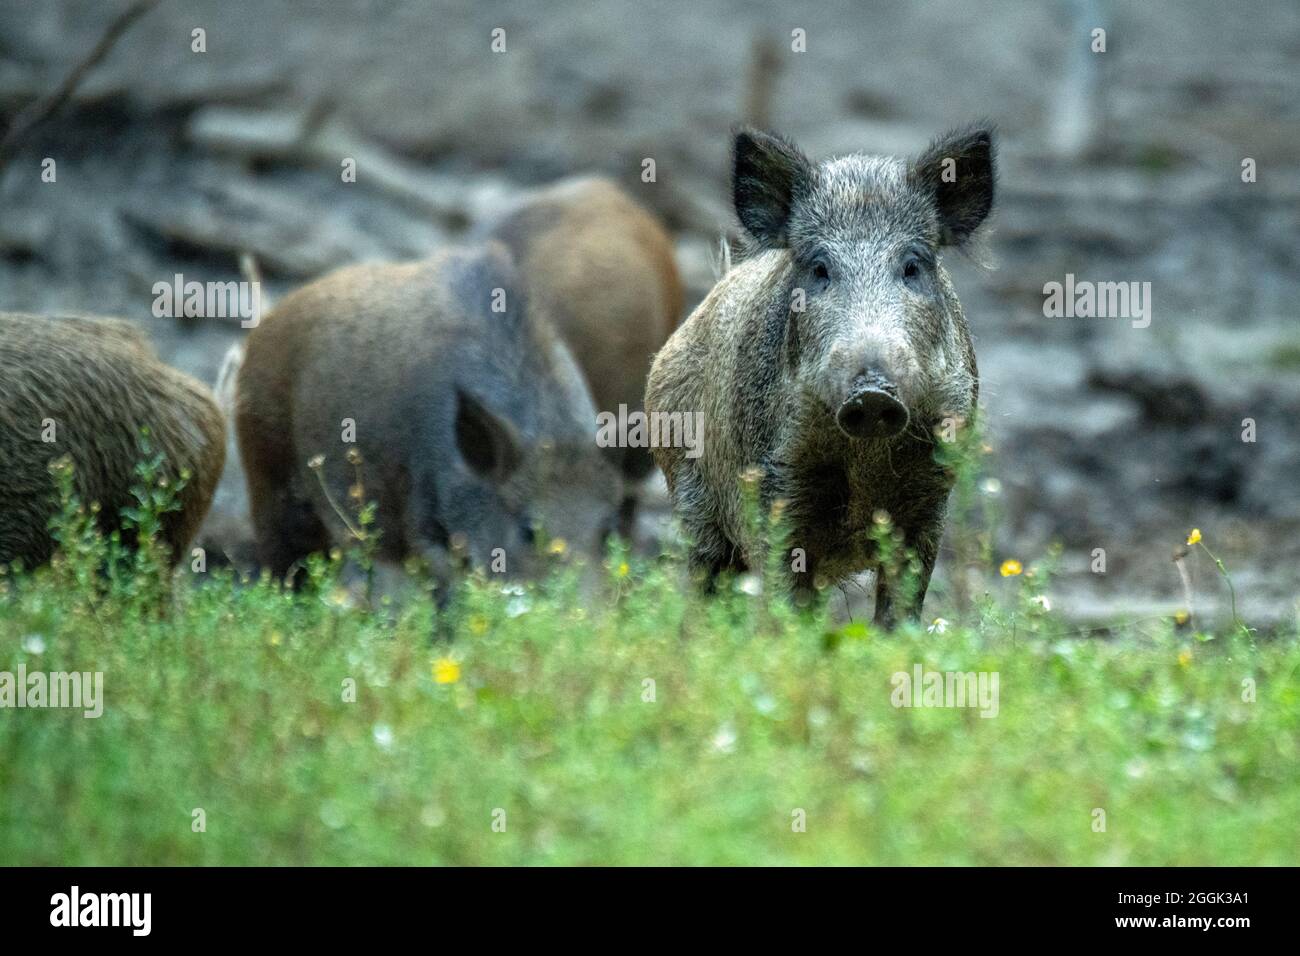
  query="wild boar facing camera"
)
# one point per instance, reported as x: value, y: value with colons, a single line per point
x: 828, y: 358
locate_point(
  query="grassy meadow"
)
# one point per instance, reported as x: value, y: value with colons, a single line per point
x: 636, y: 723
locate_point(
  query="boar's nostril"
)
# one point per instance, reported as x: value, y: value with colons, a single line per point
x: 872, y: 413
x: 851, y: 418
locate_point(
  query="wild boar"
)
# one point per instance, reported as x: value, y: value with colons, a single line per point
x: 465, y: 418
x: 85, y: 388
x: 829, y: 356
x: 602, y: 269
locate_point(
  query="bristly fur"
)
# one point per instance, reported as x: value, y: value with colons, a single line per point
x: 817, y: 305
x: 99, y: 382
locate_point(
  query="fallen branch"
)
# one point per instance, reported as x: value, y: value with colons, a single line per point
x: 45, y: 107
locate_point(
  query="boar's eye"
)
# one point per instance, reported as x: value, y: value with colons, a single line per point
x: 915, y: 269
x: 820, y: 270
x: 813, y: 272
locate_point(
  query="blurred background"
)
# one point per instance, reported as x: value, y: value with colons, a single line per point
x: 1117, y: 166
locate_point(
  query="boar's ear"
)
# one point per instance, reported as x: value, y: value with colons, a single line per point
x: 488, y: 443
x: 767, y: 174
x: 958, y: 170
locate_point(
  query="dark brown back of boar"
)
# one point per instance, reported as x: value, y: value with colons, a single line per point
x: 97, y: 382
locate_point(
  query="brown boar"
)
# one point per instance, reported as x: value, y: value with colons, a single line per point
x: 603, y: 270
x: 84, y: 388
x: 471, y: 426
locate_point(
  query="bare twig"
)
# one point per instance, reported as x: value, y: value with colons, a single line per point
x: 45, y: 107
x: 251, y: 270
x: 227, y: 376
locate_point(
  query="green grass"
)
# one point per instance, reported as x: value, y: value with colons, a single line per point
x: 230, y: 699
x: 633, y: 722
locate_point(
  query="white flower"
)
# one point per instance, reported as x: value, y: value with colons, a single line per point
x: 750, y: 584
x: 939, y: 626
x: 724, y: 741
x: 331, y: 814
x: 991, y: 487
x: 383, y: 735
x: 1042, y: 601
x: 34, y: 644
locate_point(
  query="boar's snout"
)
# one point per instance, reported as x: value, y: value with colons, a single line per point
x: 872, y: 409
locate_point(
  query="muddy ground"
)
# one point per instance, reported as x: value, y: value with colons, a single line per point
x: 1117, y: 166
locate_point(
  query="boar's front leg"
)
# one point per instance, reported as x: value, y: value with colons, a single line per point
x: 445, y: 574
x: 711, y: 556
x: 892, y: 599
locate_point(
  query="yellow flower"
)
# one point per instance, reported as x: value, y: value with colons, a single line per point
x: 558, y: 546
x: 1195, y: 536
x: 1010, y: 568
x: 445, y: 671
x: 623, y: 569
x: 1184, y: 658
x: 275, y: 638
x: 1181, y: 617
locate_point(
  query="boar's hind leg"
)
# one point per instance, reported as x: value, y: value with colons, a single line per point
x: 634, y: 464
x: 288, y: 529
